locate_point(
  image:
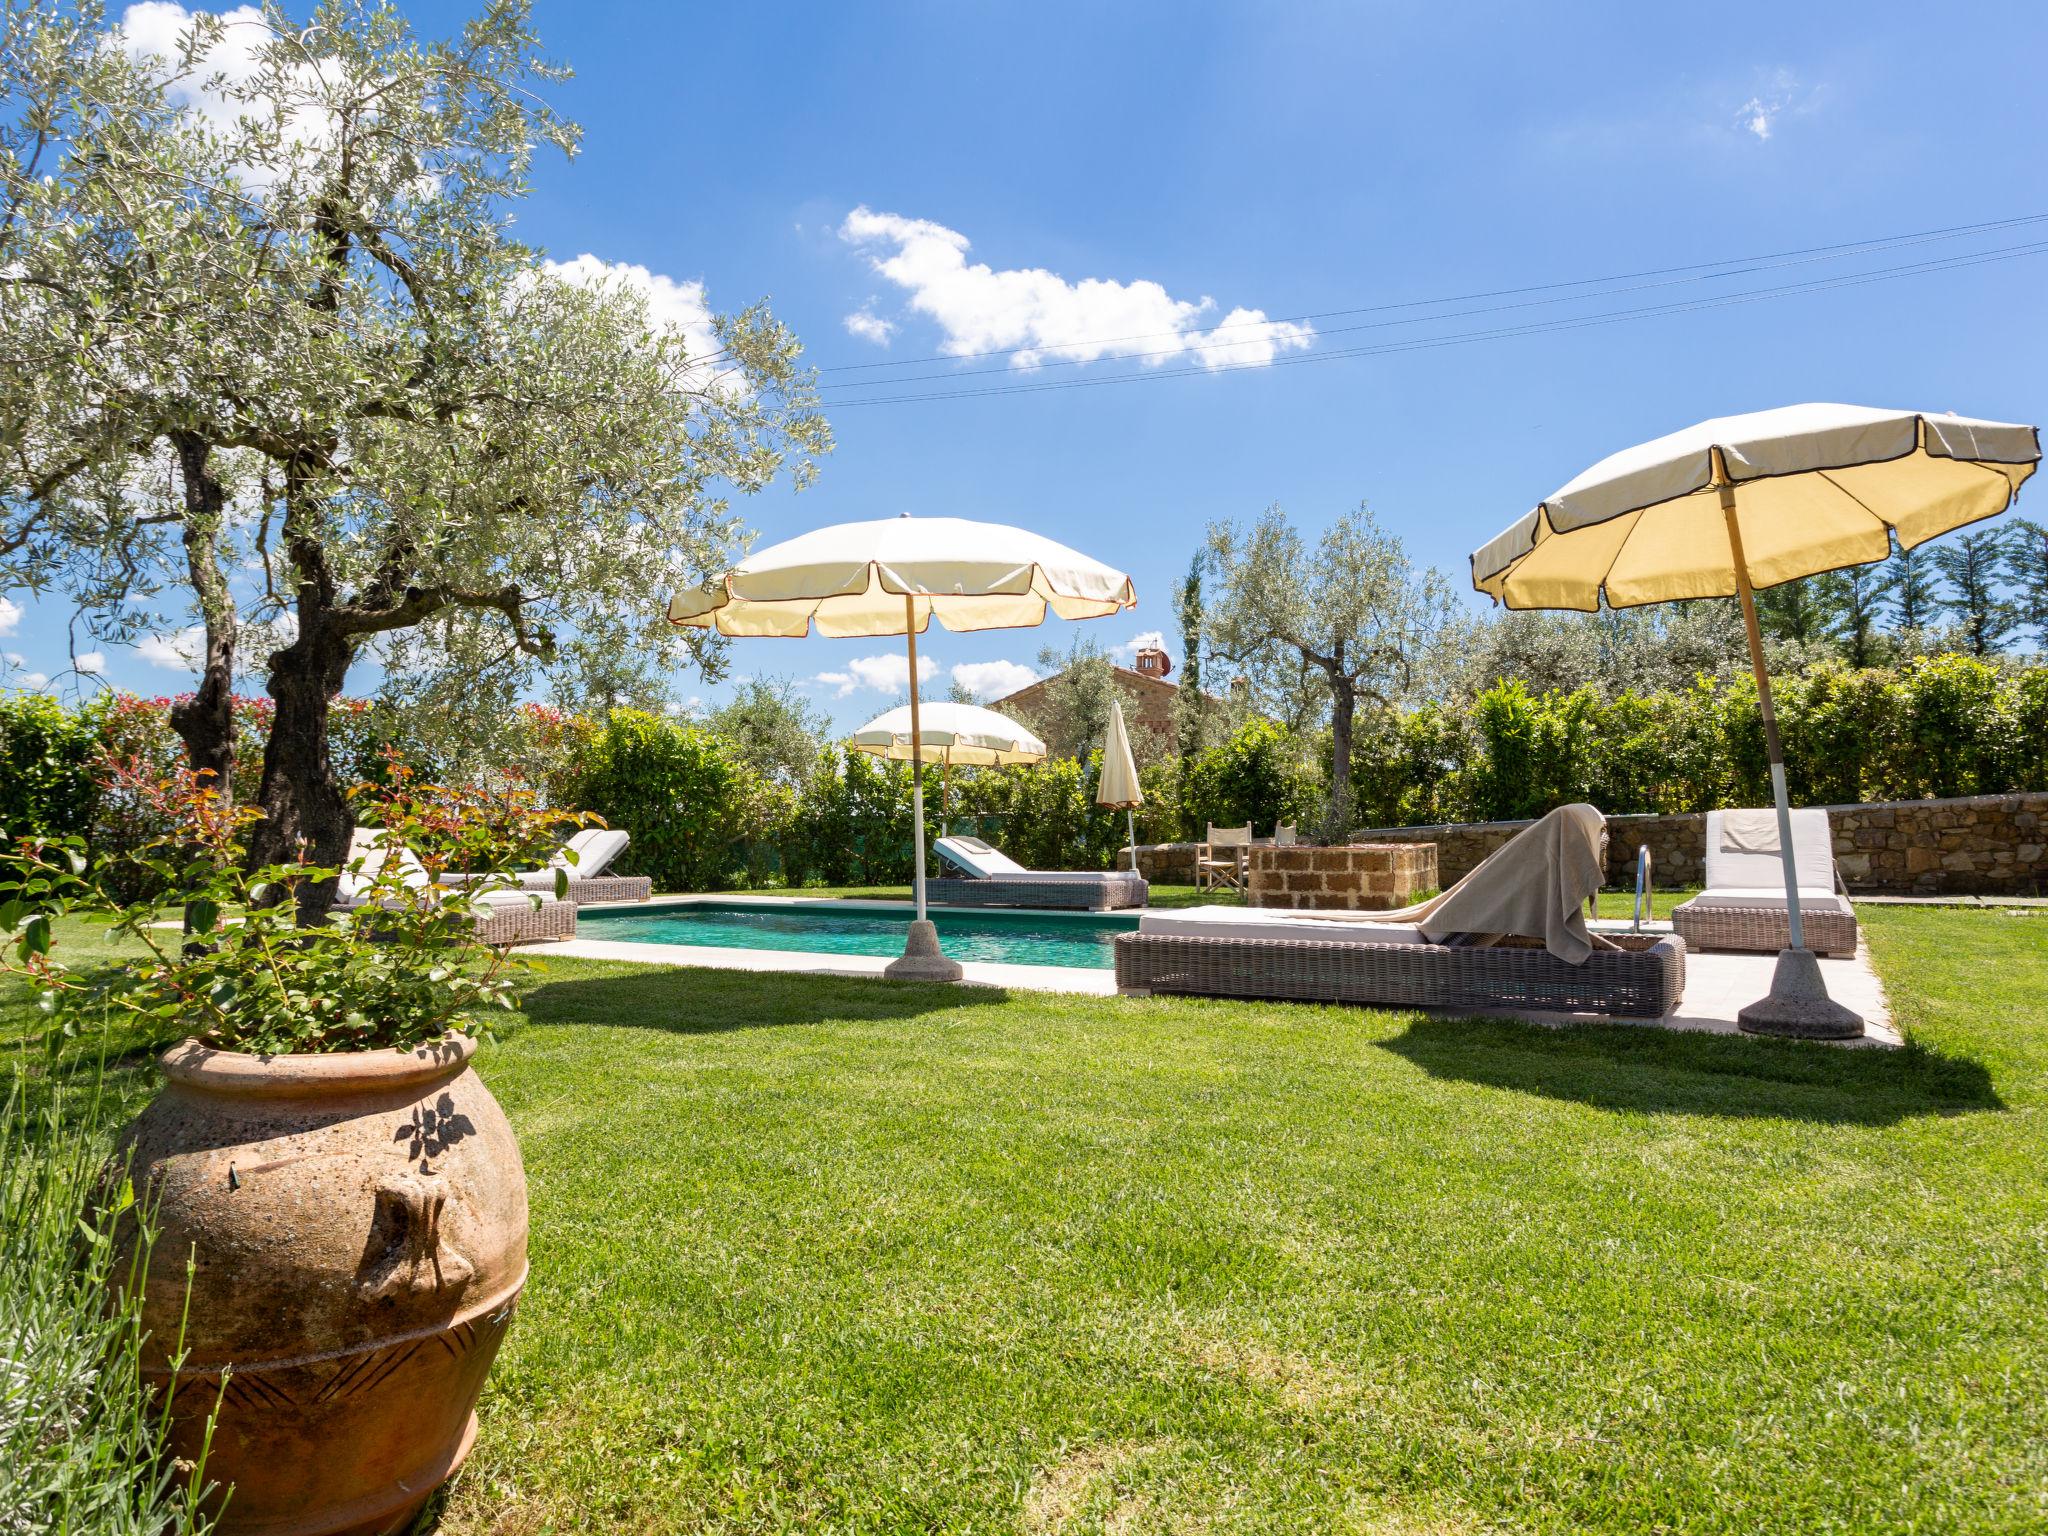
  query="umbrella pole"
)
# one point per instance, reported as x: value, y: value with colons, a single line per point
x: 1131, y: 829
x: 1798, y: 1003
x: 921, y: 960
x: 1772, y: 744
x: 917, y: 751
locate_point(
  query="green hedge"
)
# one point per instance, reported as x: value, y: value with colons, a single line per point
x: 677, y: 789
x: 703, y: 819
x: 1939, y: 727
x: 47, y: 753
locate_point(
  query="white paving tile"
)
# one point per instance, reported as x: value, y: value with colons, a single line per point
x: 986, y: 973
x: 1718, y: 986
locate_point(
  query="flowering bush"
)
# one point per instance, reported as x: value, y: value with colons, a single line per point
x: 401, y: 968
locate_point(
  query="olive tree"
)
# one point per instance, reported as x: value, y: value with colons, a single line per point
x: 272, y: 348
x: 1345, y: 620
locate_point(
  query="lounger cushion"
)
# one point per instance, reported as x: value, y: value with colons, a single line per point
x: 978, y: 858
x: 595, y: 849
x: 503, y: 898
x: 1258, y: 923
x: 366, y: 845
x: 485, y: 900
x: 1810, y: 898
x: 1813, y: 855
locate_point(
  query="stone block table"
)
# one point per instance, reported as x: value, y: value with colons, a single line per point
x: 1357, y: 877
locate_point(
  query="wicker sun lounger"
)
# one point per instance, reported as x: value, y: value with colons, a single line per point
x: 594, y: 848
x: 1535, y: 884
x: 1643, y: 979
x: 521, y: 922
x: 1080, y: 893
x: 502, y: 917
x: 603, y: 888
x: 1743, y: 906
x: 993, y: 880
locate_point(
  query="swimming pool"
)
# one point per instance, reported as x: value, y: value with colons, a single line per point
x: 1079, y: 941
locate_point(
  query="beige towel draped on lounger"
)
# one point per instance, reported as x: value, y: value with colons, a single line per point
x: 1534, y: 886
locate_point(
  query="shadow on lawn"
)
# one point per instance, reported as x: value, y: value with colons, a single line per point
x: 698, y: 1002
x: 1659, y: 1072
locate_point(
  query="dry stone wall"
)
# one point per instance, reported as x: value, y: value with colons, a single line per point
x: 1359, y: 877
x: 1985, y: 845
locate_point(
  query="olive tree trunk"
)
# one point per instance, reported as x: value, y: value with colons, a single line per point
x: 305, y: 813
x: 205, y: 721
x: 1343, y: 714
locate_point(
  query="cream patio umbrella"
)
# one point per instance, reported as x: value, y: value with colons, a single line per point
x: 893, y: 576
x: 1753, y: 501
x: 951, y: 733
x: 1117, y: 789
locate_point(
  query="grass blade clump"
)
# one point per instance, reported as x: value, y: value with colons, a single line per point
x: 82, y: 1438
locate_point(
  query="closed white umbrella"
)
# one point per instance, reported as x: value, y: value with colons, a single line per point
x: 950, y: 733
x: 1741, y: 502
x: 893, y: 576
x: 1118, y: 789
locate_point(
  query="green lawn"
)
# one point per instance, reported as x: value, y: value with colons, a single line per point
x: 824, y: 1254
x: 1621, y: 904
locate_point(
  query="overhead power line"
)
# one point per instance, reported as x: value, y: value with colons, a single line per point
x: 1340, y: 330
x: 1704, y: 271
x: 1467, y: 338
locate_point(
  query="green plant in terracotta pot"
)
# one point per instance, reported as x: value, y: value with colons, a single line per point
x: 348, y: 1193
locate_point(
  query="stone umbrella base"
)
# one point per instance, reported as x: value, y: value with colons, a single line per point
x: 922, y: 959
x: 1798, y: 1006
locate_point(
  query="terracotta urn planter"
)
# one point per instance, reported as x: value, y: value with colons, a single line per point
x: 357, y: 1227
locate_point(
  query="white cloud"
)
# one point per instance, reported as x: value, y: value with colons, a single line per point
x: 214, y: 89
x: 14, y: 659
x: 671, y: 305
x: 35, y: 682
x: 10, y: 616
x: 993, y: 679
x: 1150, y: 640
x: 1780, y: 94
x: 156, y: 30
x: 91, y: 664
x: 869, y: 326
x: 174, y: 653
x: 887, y: 673
x: 1046, y: 318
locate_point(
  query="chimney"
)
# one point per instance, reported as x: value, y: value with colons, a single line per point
x: 1153, y: 662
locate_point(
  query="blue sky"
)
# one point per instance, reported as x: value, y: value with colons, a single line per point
x: 1289, y: 161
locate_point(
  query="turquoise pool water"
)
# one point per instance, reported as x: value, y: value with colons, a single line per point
x: 1018, y: 938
